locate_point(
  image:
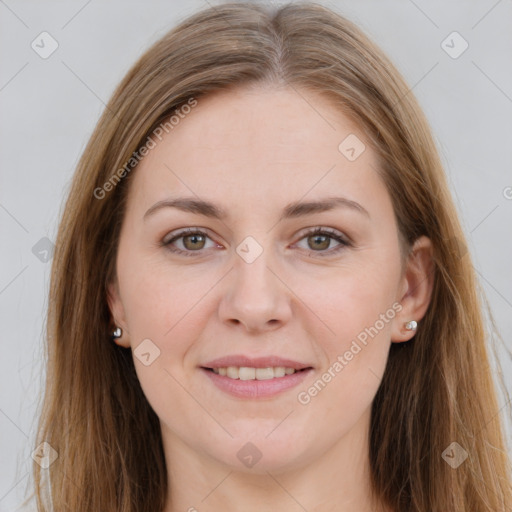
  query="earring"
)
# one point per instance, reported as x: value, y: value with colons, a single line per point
x: 411, y: 326
x: 117, y: 333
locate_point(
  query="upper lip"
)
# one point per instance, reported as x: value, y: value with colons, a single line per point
x: 254, y: 362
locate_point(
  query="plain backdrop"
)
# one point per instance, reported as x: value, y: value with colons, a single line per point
x: 49, y: 107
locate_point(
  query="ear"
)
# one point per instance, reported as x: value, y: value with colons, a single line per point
x: 117, y: 311
x: 415, y: 289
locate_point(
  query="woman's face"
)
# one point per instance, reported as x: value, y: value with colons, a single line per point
x: 256, y: 282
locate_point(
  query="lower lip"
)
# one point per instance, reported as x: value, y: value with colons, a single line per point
x: 256, y: 388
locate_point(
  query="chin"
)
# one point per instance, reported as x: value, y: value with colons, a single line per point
x: 257, y: 454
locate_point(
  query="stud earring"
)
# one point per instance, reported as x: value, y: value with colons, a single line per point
x: 117, y: 333
x: 411, y: 326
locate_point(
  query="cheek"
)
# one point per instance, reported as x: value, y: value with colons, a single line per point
x: 356, y: 308
x: 171, y: 311
x: 352, y: 298
x: 165, y: 305
x: 356, y: 357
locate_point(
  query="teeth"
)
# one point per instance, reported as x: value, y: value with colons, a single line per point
x: 244, y: 373
x: 247, y: 373
x: 232, y: 372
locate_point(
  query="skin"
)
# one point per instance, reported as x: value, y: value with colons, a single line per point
x: 252, y: 151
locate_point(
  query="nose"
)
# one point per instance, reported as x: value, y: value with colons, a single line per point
x: 255, y: 296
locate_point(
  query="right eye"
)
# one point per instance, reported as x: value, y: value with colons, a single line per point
x: 193, y: 240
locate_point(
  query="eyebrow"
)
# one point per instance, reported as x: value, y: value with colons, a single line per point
x: 292, y: 210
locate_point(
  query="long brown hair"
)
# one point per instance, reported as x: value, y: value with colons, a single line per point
x: 437, y: 389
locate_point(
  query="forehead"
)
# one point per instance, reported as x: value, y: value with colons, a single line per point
x: 262, y: 144
x: 286, y: 121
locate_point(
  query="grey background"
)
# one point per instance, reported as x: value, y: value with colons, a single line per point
x: 49, y: 108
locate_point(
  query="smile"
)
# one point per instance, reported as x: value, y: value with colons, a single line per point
x: 249, y: 373
x: 252, y: 383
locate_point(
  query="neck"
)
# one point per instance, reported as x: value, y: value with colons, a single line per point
x: 336, y: 480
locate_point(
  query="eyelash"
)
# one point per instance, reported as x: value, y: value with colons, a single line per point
x: 316, y: 231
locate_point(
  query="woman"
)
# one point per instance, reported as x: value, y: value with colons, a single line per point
x: 260, y: 295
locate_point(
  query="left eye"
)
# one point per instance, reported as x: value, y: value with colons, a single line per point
x: 320, y: 239
x: 194, y: 240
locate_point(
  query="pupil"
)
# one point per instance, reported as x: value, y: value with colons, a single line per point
x: 194, y: 239
x: 321, y: 238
